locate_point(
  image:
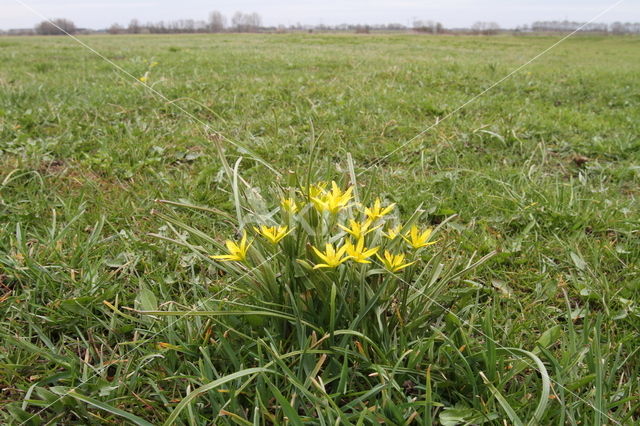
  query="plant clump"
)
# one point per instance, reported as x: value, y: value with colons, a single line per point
x: 334, y: 261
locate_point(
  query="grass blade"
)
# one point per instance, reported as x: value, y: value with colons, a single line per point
x: 209, y: 386
x: 109, y: 408
x: 503, y: 402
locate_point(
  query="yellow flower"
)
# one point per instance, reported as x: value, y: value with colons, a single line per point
x: 331, y: 257
x: 333, y: 201
x: 393, y: 263
x: 317, y: 189
x: 274, y: 233
x: 358, y: 230
x: 417, y: 239
x: 289, y: 204
x: 237, y: 252
x: 376, y: 212
x: 359, y: 252
x: 392, y: 233
x: 144, y: 78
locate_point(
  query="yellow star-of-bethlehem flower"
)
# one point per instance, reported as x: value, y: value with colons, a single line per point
x: 331, y: 257
x: 392, y: 233
x: 376, y: 212
x: 333, y: 201
x: 359, y: 253
x: 417, y: 239
x: 317, y: 189
x: 237, y: 252
x: 289, y: 204
x: 274, y: 233
x: 393, y: 263
x: 357, y: 229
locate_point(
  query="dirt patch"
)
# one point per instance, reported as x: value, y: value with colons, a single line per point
x: 51, y: 167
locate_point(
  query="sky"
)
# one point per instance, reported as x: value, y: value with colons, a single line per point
x: 98, y: 14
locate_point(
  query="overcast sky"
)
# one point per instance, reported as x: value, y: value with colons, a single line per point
x: 452, y: 13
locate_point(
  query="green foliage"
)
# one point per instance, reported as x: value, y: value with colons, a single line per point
x: 106, y: 321
x: 328, y: 261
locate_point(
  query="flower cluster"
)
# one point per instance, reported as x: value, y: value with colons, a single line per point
x: 327, y: 261
x: 337, y: 230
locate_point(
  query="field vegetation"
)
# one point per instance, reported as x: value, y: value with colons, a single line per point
x: 112, y: 198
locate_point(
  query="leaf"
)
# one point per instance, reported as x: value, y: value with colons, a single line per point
x: 146, y: 300
x: 503, y: 287
x: 444, y: 211
x: 77, y: 304
x: 209, y: 386
x: 549, y: 337
x: 191, y: 156
x: 545, y: 387
x: 578, y: 313
x: 106, y: 390
x: 30, y: 347
x: 289, y: 411
x: 502, y: 401
x: 578, y: 261
x: 464, y: 416
x: 22, y: 417
x: 110, y: 409
x: 53, y: 401
x: 119, y: 261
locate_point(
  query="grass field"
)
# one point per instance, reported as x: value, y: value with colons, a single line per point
x: 544, y: 169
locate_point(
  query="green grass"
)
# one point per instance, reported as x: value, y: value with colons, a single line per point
x: 545, y: 169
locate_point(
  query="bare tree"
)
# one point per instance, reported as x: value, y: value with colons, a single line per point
x: 485, y: 28
x: 592, y: 27
x: 186, y: 25
x: 394, y: 26
x: 255, y: 20
x: 237, y: 21
x: 493, y: 28
x: 217, y: 22
x: 116, y: 29
x: 134, y: 27
x: 246, y: 22
x: 58, y: 26
x: 427, y: 26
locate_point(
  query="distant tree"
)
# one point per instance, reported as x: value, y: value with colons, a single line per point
x: 493, y: 28
x: 255, y: 20
x: 186, y: 26
x: 618, y: 28
x: 427, y: 27
x: 485, y: 28
x: 246, y: 22
x: 58, y: 26
x: 217, y: 22
x: 593, y: 27
x: 396, y: 26
x: 116, y: 29
x: 158, y: 27
x: 134, y: 27
x: 201, y: 26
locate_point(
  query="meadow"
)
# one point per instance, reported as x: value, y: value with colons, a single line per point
x: 541, y: 175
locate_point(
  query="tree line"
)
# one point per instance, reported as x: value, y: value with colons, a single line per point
x: 594, y: 27
x: 217, y: 23
x: 252, y: 22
